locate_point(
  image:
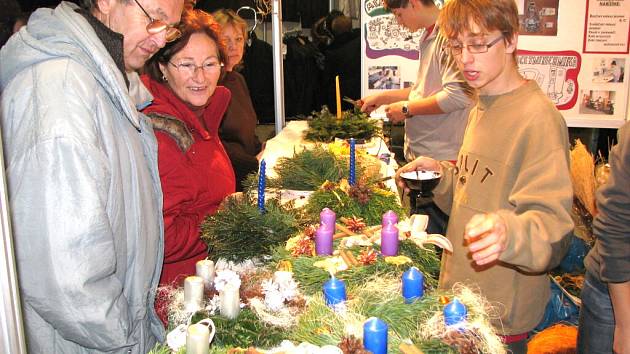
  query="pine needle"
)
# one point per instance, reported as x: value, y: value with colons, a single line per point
x: 239, y: 231
x: 325, y: 127
x: 345, y: 206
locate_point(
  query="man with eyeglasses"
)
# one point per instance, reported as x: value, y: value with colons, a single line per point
x: 509, y: 196
x: 82, y: 174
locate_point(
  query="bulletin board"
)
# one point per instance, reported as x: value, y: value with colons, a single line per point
x: 576, y: 50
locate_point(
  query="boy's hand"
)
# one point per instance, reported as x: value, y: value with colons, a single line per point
x: 369, y: 103
x: 421, y: 163
x: 486, y: 235
x: 394, y: 112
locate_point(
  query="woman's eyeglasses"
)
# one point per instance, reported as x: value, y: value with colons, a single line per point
x: 190, y: 68
x: 156, y: 26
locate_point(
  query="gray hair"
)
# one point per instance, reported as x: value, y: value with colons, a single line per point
x: 90, y: 5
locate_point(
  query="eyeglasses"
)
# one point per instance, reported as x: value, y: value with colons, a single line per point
x: 156, y: 26
x: 189, y: 68
x: 456, y: 48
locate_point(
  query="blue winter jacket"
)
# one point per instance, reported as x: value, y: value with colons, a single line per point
x: 84, y: 191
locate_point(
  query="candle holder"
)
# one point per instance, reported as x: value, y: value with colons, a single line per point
x: 421, y: 185
x: 375, y: 335
x: 198, y: 338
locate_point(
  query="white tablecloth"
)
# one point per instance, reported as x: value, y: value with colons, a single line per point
x: 291, y: 139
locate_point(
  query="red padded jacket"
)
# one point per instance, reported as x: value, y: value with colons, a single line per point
x: 196, y: 174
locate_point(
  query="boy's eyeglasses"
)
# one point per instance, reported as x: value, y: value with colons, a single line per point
x: 456, y: 48
x: 189, y: 69
x: 156, y: 26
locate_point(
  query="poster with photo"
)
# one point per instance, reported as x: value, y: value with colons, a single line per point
x: 608, y: 70
x: 574, y: 74
x: 390, y: 52
x: 597, y: 102
x: 538, y: 17
x: 384, y: 78
x: 607, y: 26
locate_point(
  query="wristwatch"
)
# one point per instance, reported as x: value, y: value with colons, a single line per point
x: 405, y: 109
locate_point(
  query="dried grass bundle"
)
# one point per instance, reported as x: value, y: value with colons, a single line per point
x: 583, y: 176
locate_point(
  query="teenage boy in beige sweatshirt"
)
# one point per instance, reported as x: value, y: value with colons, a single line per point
x: 510, y: 194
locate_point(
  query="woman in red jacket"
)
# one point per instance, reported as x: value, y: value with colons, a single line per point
x: 188, y: 106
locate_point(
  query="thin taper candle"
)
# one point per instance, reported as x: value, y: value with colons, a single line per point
x: 338, y: 97
x: 261, y: 186
x: 352, y: 177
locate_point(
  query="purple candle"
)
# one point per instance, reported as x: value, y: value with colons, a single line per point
x: 328, y: 217
x: 389, y: 218
x: 389, y: 240
x: 324, y: 241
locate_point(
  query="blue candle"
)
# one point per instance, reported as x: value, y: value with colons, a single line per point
x: 328, y: 217
x: 389, y: 240
x: 412, y: 285
x: 351, y: 179
x: 324, y: 241
x: 375, y: 336
x: 334, y: 291
x: 261, y: 187
x: 455, y: 313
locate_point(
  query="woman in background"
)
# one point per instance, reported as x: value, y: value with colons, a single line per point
x: 239, y: 124
x: 195, y: 171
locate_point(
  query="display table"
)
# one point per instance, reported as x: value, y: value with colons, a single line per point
x: 291, y: 139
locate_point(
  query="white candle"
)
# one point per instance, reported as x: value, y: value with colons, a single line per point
x: 205, y: 270
x: 193, y: 293
x: 230, y: 301
x: 197, y: 339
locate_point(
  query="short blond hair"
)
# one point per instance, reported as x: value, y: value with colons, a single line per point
x: 225, y: 17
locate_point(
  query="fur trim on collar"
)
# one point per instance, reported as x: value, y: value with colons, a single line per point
x: 173, y: 127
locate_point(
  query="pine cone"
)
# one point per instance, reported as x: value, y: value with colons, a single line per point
x: 361, y: 192
x: 355, y: 224
x: 462, y: 341
x: 352, y: 345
